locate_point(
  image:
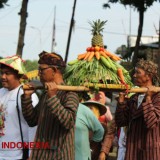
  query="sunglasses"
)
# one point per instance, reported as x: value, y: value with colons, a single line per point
x: 40, y: 70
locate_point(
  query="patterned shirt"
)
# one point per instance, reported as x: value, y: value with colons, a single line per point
x: 143, y: 135
x: 55, y: 117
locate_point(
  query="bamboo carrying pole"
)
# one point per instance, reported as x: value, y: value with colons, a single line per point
x: 105, y: 87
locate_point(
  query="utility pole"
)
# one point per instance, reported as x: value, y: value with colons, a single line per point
x: 54, y: 32
x: 130, y: 20
x: 159, y: 35
x: 23, y: 18
x: 159, y: 48
x: 70, y: 31
x: 129, y: 37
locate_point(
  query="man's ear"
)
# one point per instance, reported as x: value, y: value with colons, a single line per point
x: 54, y: 69
x: 148, y: 77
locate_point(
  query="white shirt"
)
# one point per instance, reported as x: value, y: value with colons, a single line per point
x: 140, y: 99
x: 122, y: 145
x: 11, y: 128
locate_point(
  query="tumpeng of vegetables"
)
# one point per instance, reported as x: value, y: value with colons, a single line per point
x: 96, y: 65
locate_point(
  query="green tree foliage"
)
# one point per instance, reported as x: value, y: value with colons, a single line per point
x: 3, y: 3
x: 137, y: 4
x: 31, y: 65
x: 141, y: 6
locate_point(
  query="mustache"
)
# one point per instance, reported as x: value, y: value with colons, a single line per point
x: 3, y: 80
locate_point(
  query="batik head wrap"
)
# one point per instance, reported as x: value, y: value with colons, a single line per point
x: 150, y: 68
x: 51, y: 59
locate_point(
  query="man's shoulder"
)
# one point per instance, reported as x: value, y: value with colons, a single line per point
x: 72, y: 93
x: 84, y: 110
x: 156, y: 95
x: 2, y: 90
x: 82, y: 107
x: 67, y: 93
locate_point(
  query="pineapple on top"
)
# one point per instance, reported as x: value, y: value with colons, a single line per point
x: 97, y: 29
x: 97, y: 46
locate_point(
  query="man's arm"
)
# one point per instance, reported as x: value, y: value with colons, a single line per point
x: 30, y: 112
x: 65, y: 113
x: 122, y: 111
x: 108, y: 139
x: 151, y: 111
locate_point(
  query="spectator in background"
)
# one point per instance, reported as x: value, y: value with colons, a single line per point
x: 13, y: 127
x: 86, y: 122
x: 100, y: 97
x: 99, y: 150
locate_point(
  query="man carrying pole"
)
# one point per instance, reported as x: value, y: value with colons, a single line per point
x: 55, y: 114
x: 141, y: 114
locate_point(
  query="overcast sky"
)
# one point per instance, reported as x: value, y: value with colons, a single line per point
x: 40, y: 23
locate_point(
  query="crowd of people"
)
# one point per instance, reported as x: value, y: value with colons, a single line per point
x: 61, y: 125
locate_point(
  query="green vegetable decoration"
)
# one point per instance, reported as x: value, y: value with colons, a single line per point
x: 96, y: 65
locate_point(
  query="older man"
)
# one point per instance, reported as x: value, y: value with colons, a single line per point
x: 55, y: 114
x: 141, y: 114
x: 14, y: 129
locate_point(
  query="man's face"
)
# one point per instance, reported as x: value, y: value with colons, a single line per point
x: 9, y: 78
x: 140, y: 77
x: 45, y: 73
